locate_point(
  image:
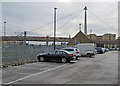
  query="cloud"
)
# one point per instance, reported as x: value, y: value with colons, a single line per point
x: 37, y: 17
x: 60, y: 1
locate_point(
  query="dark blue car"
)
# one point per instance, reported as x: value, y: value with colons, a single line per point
x: 99, y: 50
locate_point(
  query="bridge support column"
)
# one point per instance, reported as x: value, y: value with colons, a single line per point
x: 47, y: 40
x: 47, y: 43
x: 61, y: 43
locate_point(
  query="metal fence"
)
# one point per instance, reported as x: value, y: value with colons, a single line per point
x: 13, y: 53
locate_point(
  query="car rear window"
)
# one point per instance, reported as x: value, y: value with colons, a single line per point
x: 76, y: 49
x: 67, y: 52
x: 69, y: 49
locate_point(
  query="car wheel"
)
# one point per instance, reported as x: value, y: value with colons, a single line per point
x: 63, y: 60
x: 88, y: 55
x: 77, y: 57
x: 41, y: 59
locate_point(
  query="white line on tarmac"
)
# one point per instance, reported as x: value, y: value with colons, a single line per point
x: 25, y: 67
x: 35, y: 74
x: 23, y: 73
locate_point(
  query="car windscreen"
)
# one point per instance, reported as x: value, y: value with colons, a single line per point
x: 52, y: 52
x: 59, y: 52
x: 76, y: 49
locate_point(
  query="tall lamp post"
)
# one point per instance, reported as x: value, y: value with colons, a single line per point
x: 80, y: 30
x: 85, y: 25
x: 90, y: 34
x: 25, y: 37
x: 4, y: 28
x: 80, y: 27
x: 55, y: 9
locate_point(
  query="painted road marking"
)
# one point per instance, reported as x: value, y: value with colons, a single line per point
x: 25, y: 67
x: 35, y: 74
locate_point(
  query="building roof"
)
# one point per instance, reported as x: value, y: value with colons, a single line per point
x: 80, y: 37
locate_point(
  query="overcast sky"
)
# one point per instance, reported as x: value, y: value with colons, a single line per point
x: 37, y: 17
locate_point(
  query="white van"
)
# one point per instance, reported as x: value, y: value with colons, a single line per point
x: 86, y: 49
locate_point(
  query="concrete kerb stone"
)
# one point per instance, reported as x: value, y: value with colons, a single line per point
x: 17, y: 64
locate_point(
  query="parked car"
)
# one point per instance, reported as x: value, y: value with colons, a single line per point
x: 99, y: 50
x: 86, y: 49
x: 103, y: 50
x: 118, y: 49
x: 74, y: 51
x: 106, y: 49
x: 95, y: 52
x: 113, y: 49
x: 59, y: 55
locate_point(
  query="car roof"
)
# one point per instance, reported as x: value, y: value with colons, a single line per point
x: 65, y: 51
x: 60, y: 50
x: 69, y: 48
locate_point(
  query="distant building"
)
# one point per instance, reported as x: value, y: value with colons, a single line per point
x: 102, y: 37
x: 106, y: 40
x: 109, y: 37
x: 79, y: 38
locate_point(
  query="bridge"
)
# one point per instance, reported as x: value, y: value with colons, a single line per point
x: 58, y: 39
x: 34, y: 38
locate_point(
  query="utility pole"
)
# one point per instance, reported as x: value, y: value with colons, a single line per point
x: 85, y: 24
x: 54, y: 25
x: 80, y: 27
x: 47, y: 40
x: 90, y: 34
x: 69, y: 37
x: 25, y: 37
x: 80, y: 33
x: 4, y: 28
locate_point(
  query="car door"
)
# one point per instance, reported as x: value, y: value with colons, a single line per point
x: 51, y: 55
x: 55, y: 55
x: 59, y: 55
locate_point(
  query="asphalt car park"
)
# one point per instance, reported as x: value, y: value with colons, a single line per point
x: 102, y: 69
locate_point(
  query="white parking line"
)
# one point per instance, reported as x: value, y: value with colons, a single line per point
x: 24, y: 73
x: 35, y: 74
x: 25, y: 67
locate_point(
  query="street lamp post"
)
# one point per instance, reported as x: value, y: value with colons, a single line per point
x: 90, y: 34
x: 80, y: 27
x: 85, y: 25
x: 54, y: 25
x: 25, y: 37
x: 4, y: 28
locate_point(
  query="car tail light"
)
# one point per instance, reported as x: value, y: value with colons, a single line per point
x: 77, y: 52
x: 71, y: 55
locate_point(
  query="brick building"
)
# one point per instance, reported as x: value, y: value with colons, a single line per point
x: 79, y: 38
x: 106, y: 40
